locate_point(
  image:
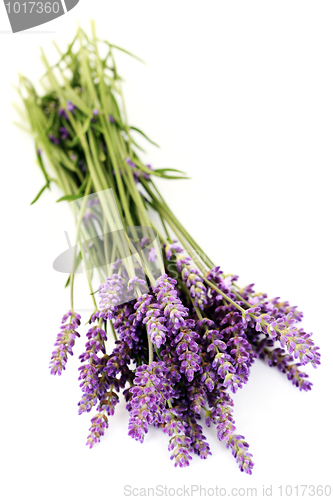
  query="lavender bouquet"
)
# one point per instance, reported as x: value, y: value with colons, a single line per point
x: 185, y: 333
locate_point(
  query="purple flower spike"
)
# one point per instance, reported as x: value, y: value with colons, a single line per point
x: 300, y: 345
x: 284, y: 362
x: 65, y: 342
x: 180, y: 446
x: 119, y: 360
x: 90, y: 368
x: 171, y: 362
x: 195, y: 284
x: 234, y: 381
x: 220, y: 413
x: 296, y: 341
x: 151, y: 315
x: 239, y: 449
x: 99, y: 423
x: 150, y: 393
x: 196, y: 393
x: 198, y: 443
x: 223, y: 365
x: 137, y: 284
x: 180, y: 443
x: 95, y: 112
x: 125, y: 324
x: 170, y: 303
x: 173, y: 247
x: 186, y: 350
x: 283, y: 308
x: 111, y: 119
x: 111, y: 293
x: 190, y: 275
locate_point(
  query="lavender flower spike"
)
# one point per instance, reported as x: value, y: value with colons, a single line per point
x: 150, y: 314
x: 169, y: 302
x: 220, y: 413
x: 199, y: 445
x: 179, y: 446
x: 65, y: 342
x: 240, y: 451
x: 180, y: 443
x: 111, y: 294
x: 189, y: 274
x: 187, y: 351
x: 284, y: 362
x: 150, y: 393
x: 296, y: 341
x: 89, y: 370
x: 100, y: 421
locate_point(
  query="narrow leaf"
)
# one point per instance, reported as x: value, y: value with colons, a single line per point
x: 40, y: 193
x: 145, y: 136
x: 70, y: 197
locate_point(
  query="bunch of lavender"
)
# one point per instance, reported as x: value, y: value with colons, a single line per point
x: 185, y: 340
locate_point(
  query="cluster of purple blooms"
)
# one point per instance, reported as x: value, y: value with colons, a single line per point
x: 204, y: 335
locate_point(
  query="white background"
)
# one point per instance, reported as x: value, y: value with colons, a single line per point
x: 239, y: 95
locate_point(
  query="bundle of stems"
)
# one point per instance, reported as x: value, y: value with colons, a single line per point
x: 185, y: 333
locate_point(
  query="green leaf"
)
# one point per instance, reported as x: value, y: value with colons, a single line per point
x: 161, y: 170
x: 145, y: 136
x: 126, y: 52
x: 70, y: 197
x: 137, y: 145
x: 41, y: 164
x: 40, y: 193
x: 175, y: 177
x: 79, y: 194
x: 83, y: 185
